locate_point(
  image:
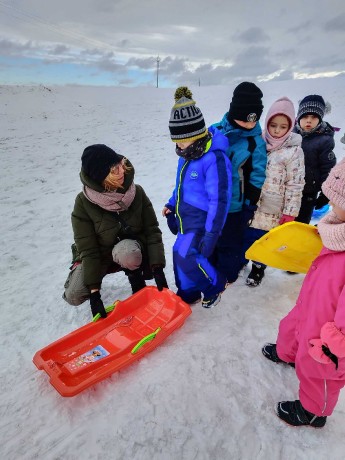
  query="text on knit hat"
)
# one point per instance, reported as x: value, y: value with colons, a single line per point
x: 186, y: 119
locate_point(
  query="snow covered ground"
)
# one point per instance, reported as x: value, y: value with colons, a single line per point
x: 207, y: 392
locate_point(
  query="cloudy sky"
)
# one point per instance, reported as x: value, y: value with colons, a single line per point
x: 206, y: 42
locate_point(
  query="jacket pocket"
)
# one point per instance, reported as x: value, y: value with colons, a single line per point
x: 271, y: 204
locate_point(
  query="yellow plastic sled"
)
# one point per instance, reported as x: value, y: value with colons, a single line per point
x: 292, y: 246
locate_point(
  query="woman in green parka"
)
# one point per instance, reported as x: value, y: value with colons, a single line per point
x: 115, y: 228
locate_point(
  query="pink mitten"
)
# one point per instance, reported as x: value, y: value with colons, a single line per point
x: 285, y: 218
x: 316, y: 352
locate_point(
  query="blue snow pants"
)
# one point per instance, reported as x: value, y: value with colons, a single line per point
x: 229, y: 255
x: 194, y: 274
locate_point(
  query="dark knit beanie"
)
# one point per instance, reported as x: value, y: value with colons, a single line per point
x: 97, y: 160
x: 246, y: 104
x: 186, y: 120
x: 313, y: 104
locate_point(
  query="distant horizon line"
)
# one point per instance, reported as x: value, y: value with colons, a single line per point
x: 47, y: 85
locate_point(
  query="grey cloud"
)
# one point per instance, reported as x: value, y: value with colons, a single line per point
x: 324, y: 63
x: 252, y: 35
x: 337, y: 24
x: 60, y: 49
x: 284, y: 75
x: 254, y: 61
x: 92, y: 52
x: 142, y: 63
x: 9, y: 47
x: 124, y: 43
x: 171, y: 65
x: 300, y: 27
x: 109, y: 66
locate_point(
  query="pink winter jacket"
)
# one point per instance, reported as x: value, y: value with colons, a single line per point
x: 321, y: 305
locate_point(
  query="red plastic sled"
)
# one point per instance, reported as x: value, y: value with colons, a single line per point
x: 91, y: 353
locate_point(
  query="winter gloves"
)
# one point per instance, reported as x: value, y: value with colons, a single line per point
x: 136, y: 279
x: 252, y: 194
x: 329, y: 347
x: 97, y: 304
x: 248, y: 211
x: 285, y: 218
x: 208, y: 244
x: 321, y: 201
x: 321, y: 353
x: 171, y: 219
x: 159, y: 277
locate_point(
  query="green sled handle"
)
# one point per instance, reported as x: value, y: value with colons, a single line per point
x: 145, y: 340
x: 108, y: 309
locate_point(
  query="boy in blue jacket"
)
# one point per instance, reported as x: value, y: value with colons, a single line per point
x: 197, y: 209
x: 247, y: 153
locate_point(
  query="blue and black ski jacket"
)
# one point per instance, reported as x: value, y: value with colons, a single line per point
x: 202, y: 193
x: 247, y: 153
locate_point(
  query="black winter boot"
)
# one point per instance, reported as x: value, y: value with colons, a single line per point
x: 269, y: 350
x: 293, y: 413
x: 136, y: 279
x: 255, y: 276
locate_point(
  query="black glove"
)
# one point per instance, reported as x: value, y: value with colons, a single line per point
x: 321, y: 201
x: 159, y: 277
x: 252, y: 193
x: 172, y: 224
x: 97, y: 304
x: 248, y: 211
x: 331, y: 356
x: 208, y: 243
x: 171, y: 219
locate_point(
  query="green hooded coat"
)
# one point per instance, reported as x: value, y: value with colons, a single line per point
x: 96, y: 231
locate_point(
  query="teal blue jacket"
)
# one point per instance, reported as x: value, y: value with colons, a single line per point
x: 248, y: 157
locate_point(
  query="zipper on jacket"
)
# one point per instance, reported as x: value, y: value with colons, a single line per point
x: 178, y: 196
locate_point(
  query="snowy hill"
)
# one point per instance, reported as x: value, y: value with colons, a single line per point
x: 207, y: 393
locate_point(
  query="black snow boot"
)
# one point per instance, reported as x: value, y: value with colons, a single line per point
x: 293, y: 413
x: 269, y: 350
x: 136, y: 279
x: 255, y: 276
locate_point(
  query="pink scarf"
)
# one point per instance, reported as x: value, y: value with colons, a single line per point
x: 332, y: 232
x: 111, y: 201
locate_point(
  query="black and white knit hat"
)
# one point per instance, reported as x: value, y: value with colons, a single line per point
x: 313, y: 104
x: 246, y: 104
x: 186, y: 119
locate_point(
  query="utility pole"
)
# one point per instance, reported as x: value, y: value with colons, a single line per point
x: 158, y: 60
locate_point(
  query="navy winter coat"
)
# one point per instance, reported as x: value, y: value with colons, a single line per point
x: 319, y: 157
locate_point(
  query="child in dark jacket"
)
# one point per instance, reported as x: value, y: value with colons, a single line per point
x: 247, y: 153
x: 319, y: 158
x: 197, y: 209
x: 312, y: 336
x: 115, y: 228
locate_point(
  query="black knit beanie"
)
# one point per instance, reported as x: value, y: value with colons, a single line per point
x: 186, y: 120
x: 97, y: 160
x: 246, y: 104
x: 313, y: 104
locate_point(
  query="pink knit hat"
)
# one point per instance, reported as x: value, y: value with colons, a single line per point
x: 334, y: 185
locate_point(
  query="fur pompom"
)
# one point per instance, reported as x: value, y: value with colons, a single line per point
x: 183, y: 91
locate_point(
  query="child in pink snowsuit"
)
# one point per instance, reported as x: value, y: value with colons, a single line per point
x: 312, y: 335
